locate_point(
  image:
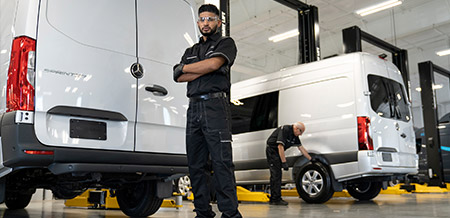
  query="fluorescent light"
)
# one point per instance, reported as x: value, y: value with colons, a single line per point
x: 378, y: 7
x: 437, y: 86
x: 434, y: 87
x: 284, y: 36
x: 188, y: 39
x: 214, y: 2
x: 443, y: 52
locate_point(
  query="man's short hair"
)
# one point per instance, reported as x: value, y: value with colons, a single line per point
x: 209, y: 8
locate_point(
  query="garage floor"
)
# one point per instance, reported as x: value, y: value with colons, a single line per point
x: 407, y: 205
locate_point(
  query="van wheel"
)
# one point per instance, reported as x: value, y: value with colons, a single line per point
x: 15, y: 200
x: 365, y: 191
x: 139, y: 200
x: 183, y: 186
x: 314, y: 183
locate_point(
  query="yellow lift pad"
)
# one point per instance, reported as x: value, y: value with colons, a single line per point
x: 110, y: 202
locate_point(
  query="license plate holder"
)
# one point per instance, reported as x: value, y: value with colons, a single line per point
x: 86, y: 129
x: 387, y: 157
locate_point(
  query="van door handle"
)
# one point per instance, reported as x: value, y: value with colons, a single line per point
x: 157, y: 90
x: 403, y: 135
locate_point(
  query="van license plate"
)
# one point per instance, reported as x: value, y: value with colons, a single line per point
x: 387, y: 157
x: 85, y: 129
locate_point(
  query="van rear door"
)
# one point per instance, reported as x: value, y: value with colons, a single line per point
x: 85, y: 94
x: 402, y: 110
x: 162, y: 39
x: 391, y: 128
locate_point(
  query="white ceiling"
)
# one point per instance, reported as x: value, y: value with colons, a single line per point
x: 420, y: 26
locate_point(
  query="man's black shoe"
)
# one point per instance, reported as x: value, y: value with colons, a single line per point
x: 280, y: 202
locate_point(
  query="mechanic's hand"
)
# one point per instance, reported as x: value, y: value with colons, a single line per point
x: 224, y: 69
x: 313, y: 159
x: 177, y: 71
x: 285, y: 166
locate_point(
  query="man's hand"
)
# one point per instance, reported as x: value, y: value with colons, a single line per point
x: 313, y: 159
x: 224, y: 69
x: 177, y: 71
x: 285, y: 166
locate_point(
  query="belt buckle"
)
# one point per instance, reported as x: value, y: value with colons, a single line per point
x: 204, y: 97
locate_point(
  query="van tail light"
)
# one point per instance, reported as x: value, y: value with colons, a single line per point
x: 364, y: 140
x: 20, y: 85
x: 39, y: 152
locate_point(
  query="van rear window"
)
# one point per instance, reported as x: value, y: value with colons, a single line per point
x: 255, y: 113
x: 388, y: 98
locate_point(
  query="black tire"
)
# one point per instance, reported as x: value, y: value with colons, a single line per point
x: 15, y: 200
x: 139, y: 200
x: 365, y: 191
x: 314, y: 183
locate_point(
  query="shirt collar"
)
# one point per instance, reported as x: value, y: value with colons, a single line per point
x: 214, y: 37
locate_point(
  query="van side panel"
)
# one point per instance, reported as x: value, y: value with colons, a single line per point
x: 325, y: 102
x: 83, y: 61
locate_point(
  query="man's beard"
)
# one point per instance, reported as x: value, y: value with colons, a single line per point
x: 213, y: 30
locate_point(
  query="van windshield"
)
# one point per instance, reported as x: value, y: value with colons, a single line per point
x: 388, y: 99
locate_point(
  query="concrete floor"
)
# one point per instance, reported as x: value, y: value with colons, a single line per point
x: 407, y: 205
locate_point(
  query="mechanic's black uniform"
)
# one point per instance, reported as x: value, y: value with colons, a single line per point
x: 208, y: 129
x: 282, y: 135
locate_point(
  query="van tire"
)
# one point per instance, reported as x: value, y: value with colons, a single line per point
x: 139, y: 200
x: 15, y: 200
x: 314, y: 183
x: 365, y: 191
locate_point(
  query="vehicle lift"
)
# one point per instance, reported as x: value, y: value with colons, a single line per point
x: 102, y: 199
x: 432, y: 142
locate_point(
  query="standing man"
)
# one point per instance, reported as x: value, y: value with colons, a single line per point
x: 206, y: 68
x: 281, y: 139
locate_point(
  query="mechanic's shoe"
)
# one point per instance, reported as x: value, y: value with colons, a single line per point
x: 280, y: 202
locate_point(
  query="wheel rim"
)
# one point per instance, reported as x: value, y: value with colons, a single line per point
x: 312, y: 182
x: 363, y: 187
x: 184, y: 183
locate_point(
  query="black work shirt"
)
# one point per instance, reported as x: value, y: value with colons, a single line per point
x: 214, y: 46
x: 283, y: 135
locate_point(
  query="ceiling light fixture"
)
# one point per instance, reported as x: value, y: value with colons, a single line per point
x: 443, y: 52
x: 378, y: 7
x: 284, y: 36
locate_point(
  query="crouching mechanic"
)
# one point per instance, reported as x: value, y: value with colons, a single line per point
x: 281, y: 139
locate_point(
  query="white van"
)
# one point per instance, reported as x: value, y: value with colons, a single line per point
x: 87, y: 98
x: 358, y: 125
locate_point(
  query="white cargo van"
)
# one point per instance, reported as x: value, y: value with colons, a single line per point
x: 87, y: 98
x: 358, y: 125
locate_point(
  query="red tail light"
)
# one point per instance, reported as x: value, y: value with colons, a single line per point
x: 38, y: 152
x: 20, y: 85
x: 364, y: 139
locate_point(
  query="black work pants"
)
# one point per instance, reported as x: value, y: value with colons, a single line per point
x: 208, y: 135
x: 274, y: 161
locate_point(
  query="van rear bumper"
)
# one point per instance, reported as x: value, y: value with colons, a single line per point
x: 16, y: 138
x: 370, y: 162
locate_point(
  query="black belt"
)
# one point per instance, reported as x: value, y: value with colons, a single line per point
x: 206, y: 97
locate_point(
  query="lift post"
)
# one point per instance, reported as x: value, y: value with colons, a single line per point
x: 431, y: 122
x: 353, y: 36
x: 225, y: 16
x: 308, y: 27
